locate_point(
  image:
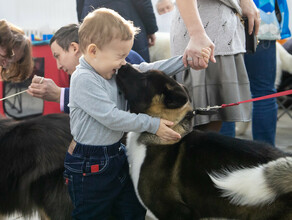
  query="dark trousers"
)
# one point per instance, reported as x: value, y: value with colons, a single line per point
x: 99, y: 183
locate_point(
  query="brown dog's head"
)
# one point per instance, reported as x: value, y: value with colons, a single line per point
x: 156, y: 94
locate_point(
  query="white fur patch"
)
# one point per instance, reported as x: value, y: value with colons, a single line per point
x: 244, y: 186
x: 136, y: 154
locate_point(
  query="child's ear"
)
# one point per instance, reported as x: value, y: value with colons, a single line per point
x: 92, y: 50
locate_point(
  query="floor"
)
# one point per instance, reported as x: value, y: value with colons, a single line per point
x: 283, y: 141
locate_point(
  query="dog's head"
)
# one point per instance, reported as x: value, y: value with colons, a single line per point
x: 156, y: 94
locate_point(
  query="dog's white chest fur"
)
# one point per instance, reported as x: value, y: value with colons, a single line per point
x: 136, y: 153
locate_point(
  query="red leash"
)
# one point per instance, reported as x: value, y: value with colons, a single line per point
x: 213, y: 109
x: 278, y: 94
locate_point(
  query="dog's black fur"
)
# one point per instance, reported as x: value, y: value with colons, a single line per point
x: 32, y: 156
x: 173, y: 180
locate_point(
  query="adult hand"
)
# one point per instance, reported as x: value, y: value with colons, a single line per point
x: 250, y: 11
x: 193, y: 52
x: 45, y: 89
x: 151, y: 39
x: 166, y: 133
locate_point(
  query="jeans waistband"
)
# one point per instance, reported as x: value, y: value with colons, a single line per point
x: 97, y: 150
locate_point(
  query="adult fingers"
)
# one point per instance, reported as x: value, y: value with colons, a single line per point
x: 257, y: 23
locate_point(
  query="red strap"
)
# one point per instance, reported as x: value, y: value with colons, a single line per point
x: 278, y: 94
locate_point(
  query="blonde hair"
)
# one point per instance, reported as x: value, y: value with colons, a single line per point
x: 102, y: 26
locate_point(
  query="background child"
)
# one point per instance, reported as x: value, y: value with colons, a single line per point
x: 97, y: 170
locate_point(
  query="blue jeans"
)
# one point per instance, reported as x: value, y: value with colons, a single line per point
x: 228, y: 129
x: 99, y: 183
x: 261, y: 68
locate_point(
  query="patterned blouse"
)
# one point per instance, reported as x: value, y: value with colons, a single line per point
x: 222, y: 24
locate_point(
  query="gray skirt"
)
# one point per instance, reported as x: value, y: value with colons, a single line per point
x: 223, y: 82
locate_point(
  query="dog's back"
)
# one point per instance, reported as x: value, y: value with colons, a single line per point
x: 32, y: 155
x: 237, y: 178
x: 178, y: 181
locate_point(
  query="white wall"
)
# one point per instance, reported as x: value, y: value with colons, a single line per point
x: 43, y: 15
x: 50, y: 15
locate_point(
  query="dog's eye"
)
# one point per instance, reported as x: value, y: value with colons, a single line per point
x: 175, y: 98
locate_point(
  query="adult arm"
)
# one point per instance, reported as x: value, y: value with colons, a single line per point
x: 198, y: 37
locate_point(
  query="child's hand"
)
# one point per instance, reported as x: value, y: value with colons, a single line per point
x: 166, y: 133
x: 206, y: 52
x: 193, y: 53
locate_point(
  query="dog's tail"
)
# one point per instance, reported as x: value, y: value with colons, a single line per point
x: 258, y: 185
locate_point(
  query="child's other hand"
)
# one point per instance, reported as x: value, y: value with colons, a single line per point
x: 206, y: 52
x: 193, y: 53
x: 165, y: 132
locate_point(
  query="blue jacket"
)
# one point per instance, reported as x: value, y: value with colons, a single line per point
x: 139, y: 11
x: 133, y: 58
x: 275, y: 19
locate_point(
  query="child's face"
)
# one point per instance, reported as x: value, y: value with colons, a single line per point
x: 66, y: 60
x: 110, y: 58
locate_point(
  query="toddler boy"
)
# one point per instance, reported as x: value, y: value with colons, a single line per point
x: 97, y: 170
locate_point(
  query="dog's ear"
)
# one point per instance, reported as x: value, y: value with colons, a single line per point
x: 174, y: 97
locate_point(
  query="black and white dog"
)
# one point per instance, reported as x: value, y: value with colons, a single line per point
x: 32, y: 156
x: 204, y: 174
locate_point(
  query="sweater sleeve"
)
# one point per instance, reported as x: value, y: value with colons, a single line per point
x: 95, y: 101
x: 169, y: 66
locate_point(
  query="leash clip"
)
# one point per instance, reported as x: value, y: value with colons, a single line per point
x: 209, y: 110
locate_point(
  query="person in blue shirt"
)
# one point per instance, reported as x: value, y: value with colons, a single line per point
x: 261, y: 68
x: 65, y: 48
